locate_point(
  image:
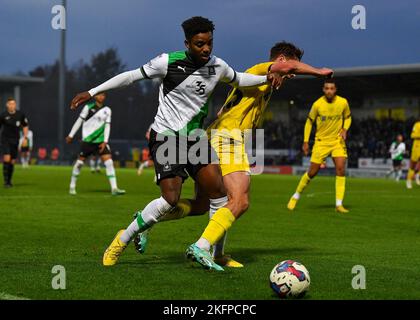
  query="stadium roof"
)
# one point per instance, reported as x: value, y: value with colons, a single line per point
x: 359, y: 82
x: 377, y: 70
x: 10, y: 81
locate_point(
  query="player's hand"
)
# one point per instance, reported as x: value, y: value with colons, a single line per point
x: 102, y: 147
x: 69, y: 139
x: 289, y: 76
x: 343, y: 134
x: 79, y: 99
x: 326, y: 73
x: 305, y: 148
x: 275, y: 79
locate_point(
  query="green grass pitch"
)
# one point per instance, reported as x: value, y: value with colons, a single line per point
x: 42, y: 226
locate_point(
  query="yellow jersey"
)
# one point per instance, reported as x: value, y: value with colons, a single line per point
x: 244, y: 107
x: 415, y: 135
x: 330, y: 118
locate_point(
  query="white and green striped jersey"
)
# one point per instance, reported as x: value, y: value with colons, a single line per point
x: 186, y: 89
x: 397, y: 150
x: 94, y: 120
x: 29, y: 136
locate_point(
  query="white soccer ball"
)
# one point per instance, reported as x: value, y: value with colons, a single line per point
x: 290, y: 279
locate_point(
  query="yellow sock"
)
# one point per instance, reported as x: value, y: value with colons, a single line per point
x: 304, y: 181
x: 340, y: 188
x: 410, y: 174
x: 220, y: 223
x: 182, y: 209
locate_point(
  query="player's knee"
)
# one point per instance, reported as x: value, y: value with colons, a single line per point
x: 243, y: 204
x: 312, y: 173
x: 239, y: 204
x: 340, y: 172
x: 171, y: 198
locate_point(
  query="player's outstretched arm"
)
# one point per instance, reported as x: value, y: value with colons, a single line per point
x: 297, y: 67
x: 306, y: 136
x: 121, y: 80
x: 74, y: 129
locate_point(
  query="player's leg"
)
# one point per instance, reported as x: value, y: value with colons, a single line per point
x: 141, y: 167
x: 98, y: 164
x: 10, y: 160
x: 237, y: 186
x: 304, y: 182
x: 170, y: 191
x: 184, y: 208
x: 110, y: 172
x: 398, y: 170
x: 410, y: 174
x: 417, y: 173
x: 340, y: 183
x: 77, y: 167
x: 210, y: 178
x: 92, y: 164
x: 7, y: 163
x: 26, y: 159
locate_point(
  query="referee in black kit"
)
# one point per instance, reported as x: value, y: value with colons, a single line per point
x: 11, y: 122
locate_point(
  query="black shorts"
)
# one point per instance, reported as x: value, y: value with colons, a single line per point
x: 87, y: 149
x: 10, y: 147
x: 396, y: 163
x: 24, y: 149
x: 174, y: 161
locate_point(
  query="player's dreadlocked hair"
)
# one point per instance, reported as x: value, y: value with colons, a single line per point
x: 197, y: 25
x: 289, y: 50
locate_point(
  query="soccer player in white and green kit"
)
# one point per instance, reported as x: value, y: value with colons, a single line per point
x: 95, y: 120
x: 397, y: 151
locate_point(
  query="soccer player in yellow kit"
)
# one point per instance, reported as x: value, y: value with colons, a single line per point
x: 242, y: 110
x: 331, y: 113
x: 415, y: 154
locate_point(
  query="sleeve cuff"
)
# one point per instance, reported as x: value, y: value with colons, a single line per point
x: 92, y: 92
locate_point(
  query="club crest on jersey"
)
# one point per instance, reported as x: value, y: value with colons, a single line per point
x: 17, y: 123
x: 167, y: 167
x: 212, y: 70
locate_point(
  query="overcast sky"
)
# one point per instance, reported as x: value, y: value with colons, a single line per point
x: 245, y: 30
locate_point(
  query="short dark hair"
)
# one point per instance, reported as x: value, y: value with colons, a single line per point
x: 330, y: 80
x: 11, y: 99
x: 289, y: 50
x: 196, y: 25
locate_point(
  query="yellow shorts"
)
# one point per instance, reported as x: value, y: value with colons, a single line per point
x: 231, y: 153
x: 415, y: 153
x: 322, y: 149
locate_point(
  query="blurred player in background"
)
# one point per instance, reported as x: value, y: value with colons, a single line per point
x: 331, y: 113
x: 146, y: 160
x: 397, y: 151
x: 243, y: 110
x: 25, y: 148
x: 415, y: 154
x: 12, y: 121
x: 95, y: 120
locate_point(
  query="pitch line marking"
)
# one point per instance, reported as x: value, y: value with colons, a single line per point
x: 6, y: 296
